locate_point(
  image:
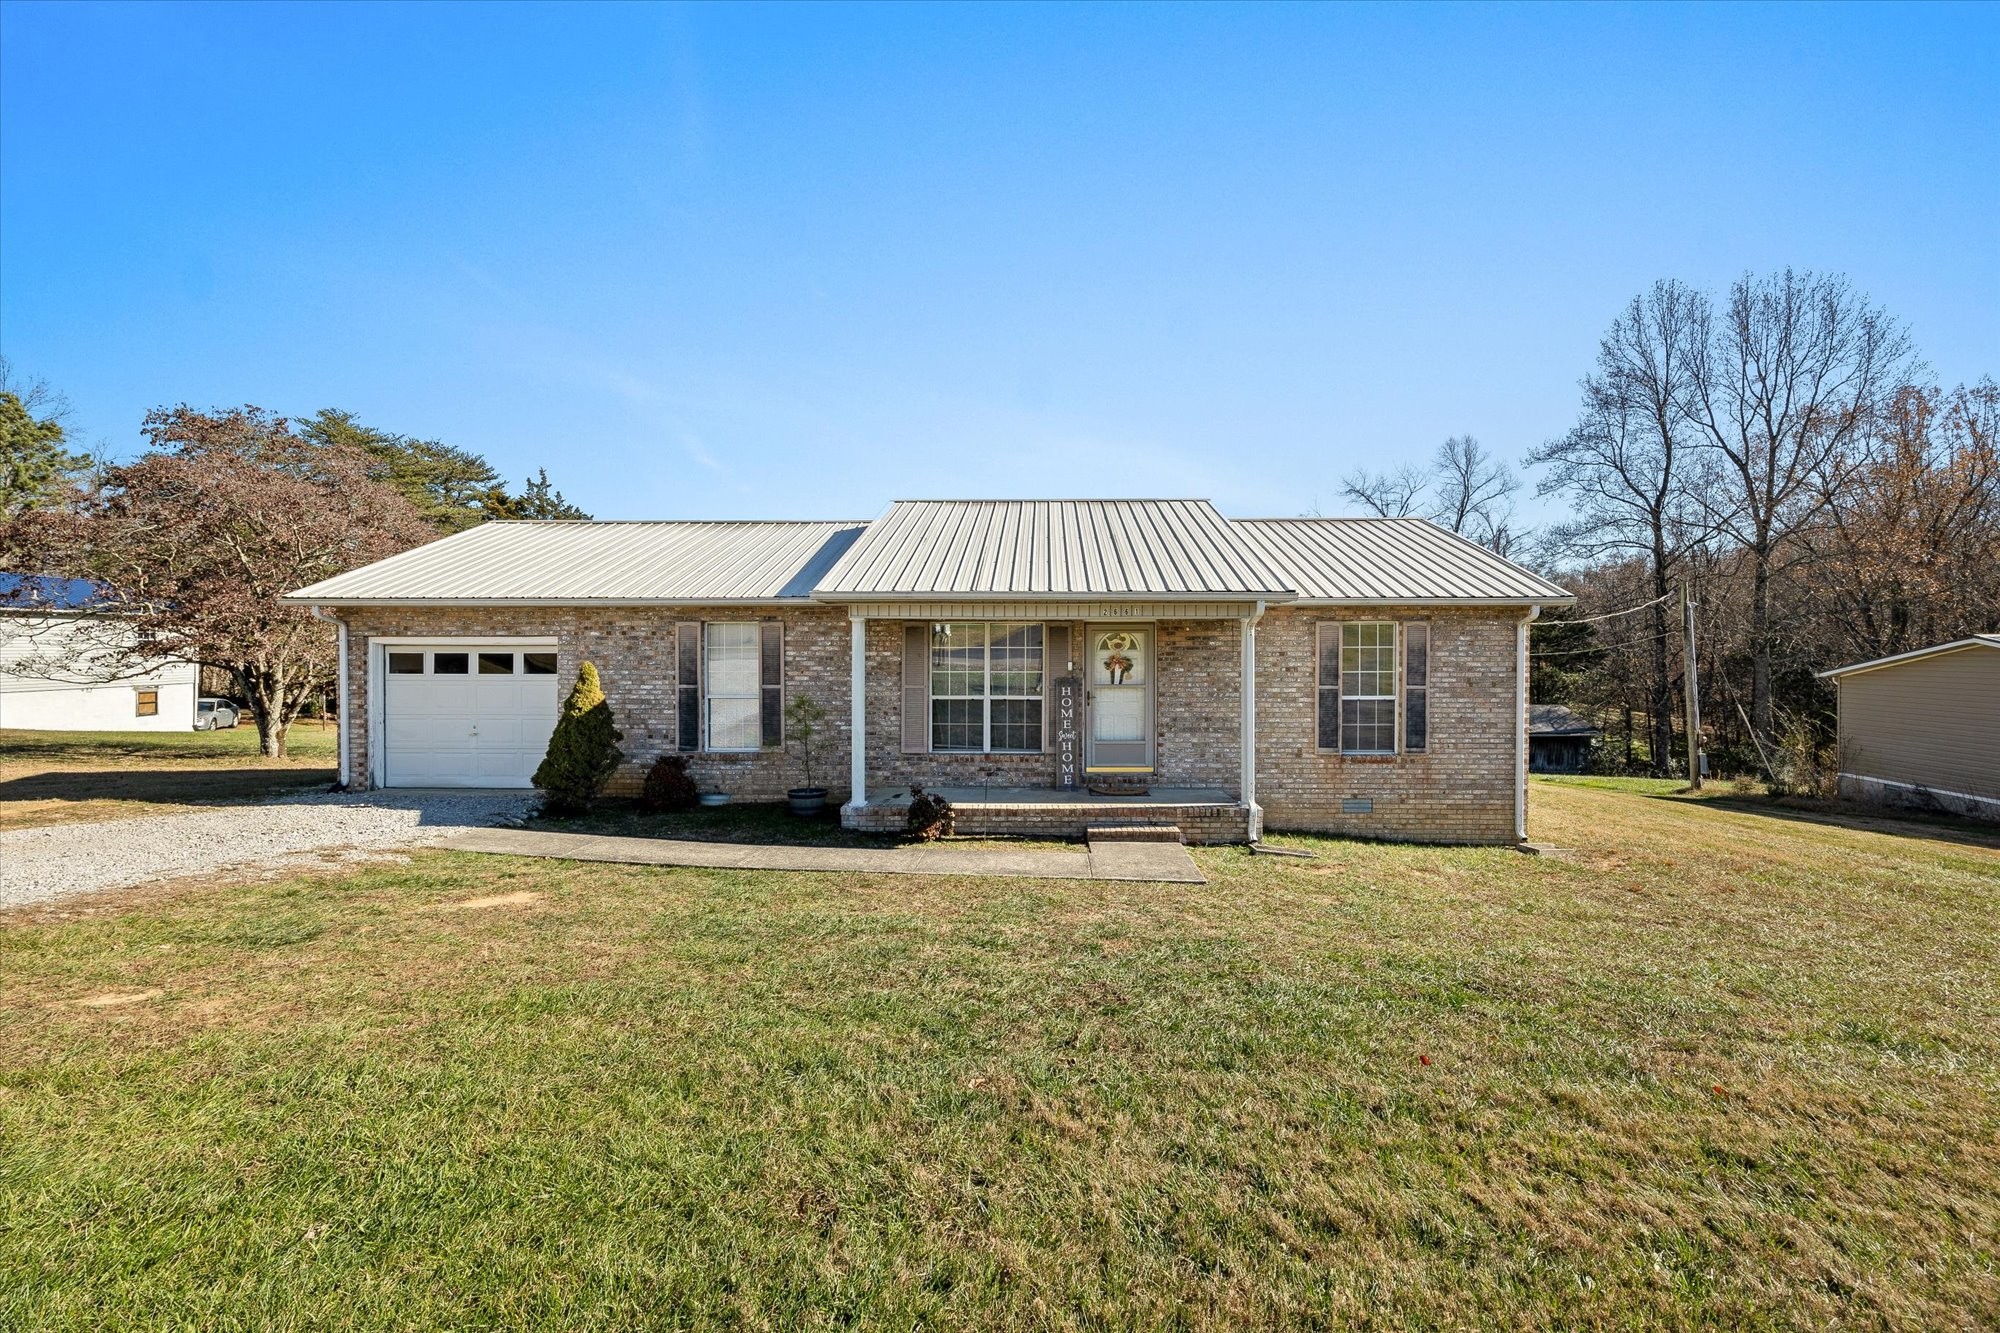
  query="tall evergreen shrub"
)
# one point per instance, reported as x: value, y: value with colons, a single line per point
x: 583, y: 752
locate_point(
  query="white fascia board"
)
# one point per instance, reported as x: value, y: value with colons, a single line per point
x: 295, y: 599
x: 1566, y: 599
x: 900, y: 598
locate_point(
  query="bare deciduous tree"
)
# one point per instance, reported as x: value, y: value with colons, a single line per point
x: 1783, y: 388
x: 1395, y: 494
x: 1463, y: 487
x: 1623, y: 465
x: 1906, y: 548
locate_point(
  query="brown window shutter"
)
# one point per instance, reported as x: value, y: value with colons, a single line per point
x: 1055, y: 664
x: 1416, y: 686
x: 1328, y: 671
x: 771, y: 682
x: 687, y: 703
x: 916, y: 689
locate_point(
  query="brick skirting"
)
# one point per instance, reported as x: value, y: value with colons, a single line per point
x: 1218, y: 823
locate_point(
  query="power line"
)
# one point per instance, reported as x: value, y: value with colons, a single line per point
x: 1603, y: 647
x: 1610, y: 615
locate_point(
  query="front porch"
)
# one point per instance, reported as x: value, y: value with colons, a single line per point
x: 1149, y: 692
x: 1202, y: 814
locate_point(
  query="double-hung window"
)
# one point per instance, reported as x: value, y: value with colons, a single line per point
x: 730, y: 674
x: 1359, y: 682
x: 986, y: 687
x: 1368, y: 687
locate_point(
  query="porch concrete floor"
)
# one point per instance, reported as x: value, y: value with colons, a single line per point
x: 1157, y: 862
x: 1052, y: 796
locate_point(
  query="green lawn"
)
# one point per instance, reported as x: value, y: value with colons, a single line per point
x: 1720, y: 1066
x: 53, y: 777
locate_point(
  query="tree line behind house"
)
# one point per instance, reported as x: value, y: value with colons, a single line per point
x: 225, y: 511
x: 1780, y: 451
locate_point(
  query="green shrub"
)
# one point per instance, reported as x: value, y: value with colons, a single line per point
x: 668, y: 786
x: 583, y: 752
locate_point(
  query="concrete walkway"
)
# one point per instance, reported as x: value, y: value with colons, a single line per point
x: 1158, y: 862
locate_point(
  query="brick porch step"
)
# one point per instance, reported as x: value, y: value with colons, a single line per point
x: 1133, y: 833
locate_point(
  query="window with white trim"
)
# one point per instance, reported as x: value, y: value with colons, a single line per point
x: 1368, y: 687
x: 730, y: 676
x: 986, y: 687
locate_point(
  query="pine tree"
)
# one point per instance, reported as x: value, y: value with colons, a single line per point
x: 583, y: 752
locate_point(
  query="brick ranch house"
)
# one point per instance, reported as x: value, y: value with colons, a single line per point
x: 1353, y: 676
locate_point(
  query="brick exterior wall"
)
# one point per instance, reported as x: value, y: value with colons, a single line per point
x: 1461, y: 790
x: 633, y: 648
x: 1196, y: 704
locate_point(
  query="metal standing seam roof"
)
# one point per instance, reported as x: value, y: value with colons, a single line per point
x: 961, y: 549
x: 1390, y: 560
x: 1052, y: 548
x: 587, y: 561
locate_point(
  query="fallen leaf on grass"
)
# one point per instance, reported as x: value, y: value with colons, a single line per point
x: 112, y: 998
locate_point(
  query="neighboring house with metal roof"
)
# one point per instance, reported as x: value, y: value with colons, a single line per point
x: 66, y: 664
x: 1559, y: 741
x: 1040, y: 661
x: 1922, y: 728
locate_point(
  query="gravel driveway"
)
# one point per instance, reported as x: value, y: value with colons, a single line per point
x: 41, y: 864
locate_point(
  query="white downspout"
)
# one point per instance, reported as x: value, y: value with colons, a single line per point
x: 1247, y: 742
x: 1521, y: 729
x: 340, y: 627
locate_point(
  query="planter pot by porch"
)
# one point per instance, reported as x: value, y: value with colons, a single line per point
x: 712, y: 799
x: 807, y: 800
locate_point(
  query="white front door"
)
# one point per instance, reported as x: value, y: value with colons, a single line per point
x: 1120, y: 700
x: 476, y: 715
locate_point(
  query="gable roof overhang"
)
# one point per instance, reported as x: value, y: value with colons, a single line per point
x: 599, y: 563
x: 1914, y: 655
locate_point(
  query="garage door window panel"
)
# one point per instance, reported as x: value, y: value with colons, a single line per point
x: 450, y: 664
x: 496, y: 664
x: 406, y: 664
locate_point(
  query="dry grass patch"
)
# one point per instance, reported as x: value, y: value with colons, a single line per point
x: 60, y: 777
x: 1746, y: 1076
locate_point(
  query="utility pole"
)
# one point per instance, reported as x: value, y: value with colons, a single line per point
x: 1693, y: 692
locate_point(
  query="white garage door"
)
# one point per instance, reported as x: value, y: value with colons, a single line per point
x: 466, y: 716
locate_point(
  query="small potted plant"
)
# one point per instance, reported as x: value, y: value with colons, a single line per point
x: 804, y: 722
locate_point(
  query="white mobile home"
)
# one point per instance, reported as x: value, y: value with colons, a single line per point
x: 64, y: 666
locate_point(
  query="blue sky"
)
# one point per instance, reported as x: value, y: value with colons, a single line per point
x: 796, y: 261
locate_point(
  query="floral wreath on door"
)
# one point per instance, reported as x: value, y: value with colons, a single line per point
x: 1118, y: 647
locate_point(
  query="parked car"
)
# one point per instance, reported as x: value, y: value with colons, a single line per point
x: 211, y: 714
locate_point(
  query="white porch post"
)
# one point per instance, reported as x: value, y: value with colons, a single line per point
x: 857, y: 689
x: 1248, y: 742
